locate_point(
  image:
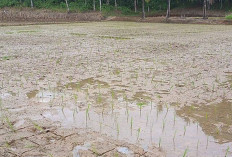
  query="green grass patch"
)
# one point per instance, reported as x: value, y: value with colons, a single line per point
x: 112, y: 37
x: 78, y: 34
x: 229, y: 17
x: 6, y: 58
x: 9, y: 32
x: 27, y: 31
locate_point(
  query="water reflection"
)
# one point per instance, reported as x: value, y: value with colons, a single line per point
x: 157, y: 124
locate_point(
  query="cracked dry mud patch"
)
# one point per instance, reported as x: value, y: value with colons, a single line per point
x: 115, y: 89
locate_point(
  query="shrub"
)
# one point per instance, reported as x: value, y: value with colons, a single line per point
x: 229, y: 17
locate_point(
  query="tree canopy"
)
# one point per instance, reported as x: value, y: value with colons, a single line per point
x: 125, y: 6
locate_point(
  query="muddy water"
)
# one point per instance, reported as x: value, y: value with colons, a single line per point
x: 154, y: 125
x: 43, y: 95
x: 160, y: 62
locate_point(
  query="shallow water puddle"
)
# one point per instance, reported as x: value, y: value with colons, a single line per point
x: 5, y: 95
x: 89, y: 81
x: 156, y: 125
x: 42, y: 96
x: 125, y: 150
x: 76, y: 150
x: 215, y: 119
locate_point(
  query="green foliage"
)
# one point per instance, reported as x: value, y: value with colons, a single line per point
x: 229, y: 17
x: 124, y: 7
x: 8, y: 3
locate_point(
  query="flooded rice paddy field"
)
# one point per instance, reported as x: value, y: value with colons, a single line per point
x: 116, y: 89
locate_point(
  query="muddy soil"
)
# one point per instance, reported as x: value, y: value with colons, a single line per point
x: 28, y: 15
x: 175, y: 19
x: 116, y: 89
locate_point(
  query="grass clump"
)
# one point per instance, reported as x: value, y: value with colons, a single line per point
x: 229, y: 17
x: 78, y: 34
x: 27, y: 31
x: 114, y: 37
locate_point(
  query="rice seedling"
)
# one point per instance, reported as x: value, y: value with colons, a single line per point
x: 62, y: 109
x: 185, y: 152
x: 174, y: 121
x: 62, y: 99
x: 112, y: 107
x: 87, y: 112
x: 117, y: 129
x: 7, y: 145
x: 217, y: 131
x: 174, y: 135
x: 2, y: 84
x: 207, y: 142
x: 227, y: 151
x: 151, y: 104
x: 113, y: 95
x: 94, y: 150
x: 147, y: 120
x: 131, y: 124
x: 160, y: 142
x: 50, y: 155
x: 102, y: 113
x: 1, y: 104
x: 116, y: 154
x: 74, y: 111
x: 29, y: 146
x: 139, y: 130
x: 184, y: 130
x: 127, y: 113
x: 99, y: 99
x: 163, y: 126
x: 99, y: 88
x: 10, y: 124
x: 75, y: 97
x: 140, y: 104
x: 100, y: 126
x: 37, y: 127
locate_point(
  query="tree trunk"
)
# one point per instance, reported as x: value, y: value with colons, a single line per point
x: 115, y: 4
x: 100, y: 3
x: 85, y: 2
x: 143, y: 5
x: 66, y: 1
x: 135, y: 4
x: 221, y: 5
x: 108, y: 2
x: 168, y: 9
x: 204, y: 10
x: 94, y: 5
x: 32, y: 5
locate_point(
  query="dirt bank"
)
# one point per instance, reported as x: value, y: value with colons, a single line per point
x: 24, y: 15
x: 185, y: 20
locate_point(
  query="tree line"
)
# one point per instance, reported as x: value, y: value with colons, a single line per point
x: 126, y: 6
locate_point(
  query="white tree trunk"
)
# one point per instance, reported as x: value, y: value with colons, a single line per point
x: 168, y: 9
x: 32, y: 5
x: 135, y: 4
x: 66, y: 1
x: 100, y: 2
x: 94, y: 5
x: 204, y: 10
x: 143, y: 7
x: 115, y: 4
